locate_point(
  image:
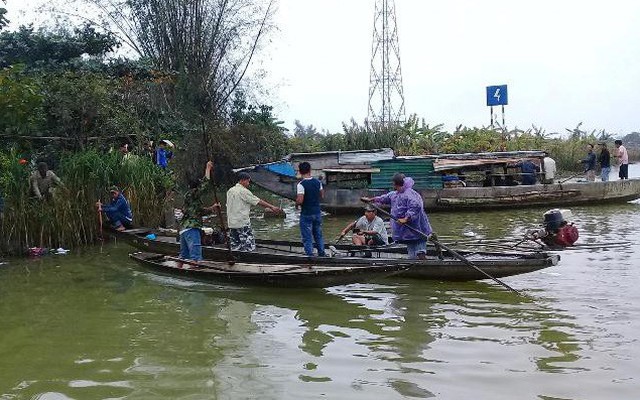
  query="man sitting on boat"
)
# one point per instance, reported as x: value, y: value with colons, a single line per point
x: 239, y: 202
x: 118, y: 211
x: 368, y: 230
x: 407, y: 208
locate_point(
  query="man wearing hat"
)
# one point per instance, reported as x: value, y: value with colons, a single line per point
x: 368, y: 230
x: 118, y: 211
x: 239, y: 202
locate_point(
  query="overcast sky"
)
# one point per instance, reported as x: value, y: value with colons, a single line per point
x: 564, y: 61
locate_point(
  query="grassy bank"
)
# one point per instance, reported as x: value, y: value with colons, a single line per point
x: 70, y: 218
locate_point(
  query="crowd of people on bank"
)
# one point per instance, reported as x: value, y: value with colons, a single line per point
x: 592, y: 160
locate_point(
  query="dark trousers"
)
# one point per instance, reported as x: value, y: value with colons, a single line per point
x: 624, y: 171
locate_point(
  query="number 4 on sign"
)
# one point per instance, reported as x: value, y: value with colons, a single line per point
x: 497, y: 95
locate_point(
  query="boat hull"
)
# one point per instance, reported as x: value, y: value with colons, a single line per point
x: 262, y: 274
x: 449, y: 268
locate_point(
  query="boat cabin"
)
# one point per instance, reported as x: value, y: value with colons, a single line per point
x: 373, y: 169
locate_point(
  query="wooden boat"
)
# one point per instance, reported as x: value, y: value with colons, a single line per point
x: 281, y: 275
x: 447, y: 182
x: 447, y: 268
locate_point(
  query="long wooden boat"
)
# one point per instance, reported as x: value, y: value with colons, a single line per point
x: 280, y: 275
x: 447, y: 182
x: 444, y: 267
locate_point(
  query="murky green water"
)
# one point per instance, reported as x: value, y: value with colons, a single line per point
x: 93, y: 325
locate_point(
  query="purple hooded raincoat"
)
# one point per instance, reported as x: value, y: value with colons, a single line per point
x: 406, y: 203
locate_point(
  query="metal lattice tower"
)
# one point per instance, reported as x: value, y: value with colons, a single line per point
x: 386, y: 95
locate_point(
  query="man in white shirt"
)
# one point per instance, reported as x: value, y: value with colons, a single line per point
x: 369, y: 230
x: 623, y: 157
x: 549, y: 169
x: 239, y: 202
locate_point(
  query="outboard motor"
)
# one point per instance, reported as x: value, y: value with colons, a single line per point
x: 557, y: 231
x: 553, y: 219
x: 560, y: 232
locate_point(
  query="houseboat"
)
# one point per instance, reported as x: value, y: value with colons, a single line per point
x: 447, y: 182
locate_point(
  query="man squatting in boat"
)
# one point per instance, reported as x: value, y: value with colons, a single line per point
x: 368, y: 230
x: 239, y: 202
x: 407, y: 208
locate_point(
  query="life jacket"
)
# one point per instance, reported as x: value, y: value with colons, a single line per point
x: 567, y: 235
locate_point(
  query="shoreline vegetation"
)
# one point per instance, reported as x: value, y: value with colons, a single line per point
x: 64, y: 101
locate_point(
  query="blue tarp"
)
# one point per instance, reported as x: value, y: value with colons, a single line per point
x: 281, y: 168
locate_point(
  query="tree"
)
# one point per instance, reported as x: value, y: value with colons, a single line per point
x: 209, y: 43
x: 35, y: 48
x: 3, y: 20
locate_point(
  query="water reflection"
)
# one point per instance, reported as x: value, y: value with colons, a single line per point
x: 95, y: 326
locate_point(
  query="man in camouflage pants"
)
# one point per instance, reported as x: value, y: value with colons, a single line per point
x: 239, y: 202
x: 191, y: 223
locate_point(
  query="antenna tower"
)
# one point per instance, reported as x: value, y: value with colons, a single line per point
x: 386, y: 95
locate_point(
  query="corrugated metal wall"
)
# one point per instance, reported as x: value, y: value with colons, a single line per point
x: 421, y: 170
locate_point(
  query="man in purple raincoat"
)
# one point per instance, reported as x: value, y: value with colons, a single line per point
x: 408, y: 209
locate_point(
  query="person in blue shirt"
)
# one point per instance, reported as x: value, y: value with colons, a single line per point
x: 162, y: 155
x: 308, y: 195
x: 529, y: 171
x: 118, y: 210
x: 589, y: 163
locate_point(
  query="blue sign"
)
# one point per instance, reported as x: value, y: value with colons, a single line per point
x: 497, y: 95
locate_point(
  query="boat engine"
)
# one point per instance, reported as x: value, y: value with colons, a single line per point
x: 556, y: 230
x: 560, y: 232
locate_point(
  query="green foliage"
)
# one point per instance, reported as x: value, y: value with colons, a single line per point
x: 3, y: 20
x: 70, y: 218
x: 21, y: 102
x: 50, y: 48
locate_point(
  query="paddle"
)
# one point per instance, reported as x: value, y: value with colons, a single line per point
x: 571, y: 177
x: 453, y: 252
x: 230, y: 258
x: 100, y: 234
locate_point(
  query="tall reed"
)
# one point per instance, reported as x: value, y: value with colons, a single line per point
x: 70, y: 218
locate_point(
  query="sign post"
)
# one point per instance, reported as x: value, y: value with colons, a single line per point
x: 497, y: 96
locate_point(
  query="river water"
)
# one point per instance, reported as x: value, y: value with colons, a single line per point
x: 93, y: 325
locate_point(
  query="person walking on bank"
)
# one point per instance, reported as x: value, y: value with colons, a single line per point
x: 407, y: 208
x: 118, y: 211
x: 604, y: 158
x: 589, y: 163
x: 308, y: 195
x: 239, y: 202
x: 369, y: 229
x: 623, y: 158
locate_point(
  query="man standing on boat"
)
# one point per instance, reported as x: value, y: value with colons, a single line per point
x: 589, y: 163
x: 604, y: 158
x: 407, y: 208
x: 369, y: 230
x: 239, y: 202
x: 193, y: 210
x: 548, y: 169
x: 623, y: 157
x: 309, y: 192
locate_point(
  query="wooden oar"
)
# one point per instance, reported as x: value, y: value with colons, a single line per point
x: 571, y: 177
x: 100, y: 233
x: 448, y: 249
